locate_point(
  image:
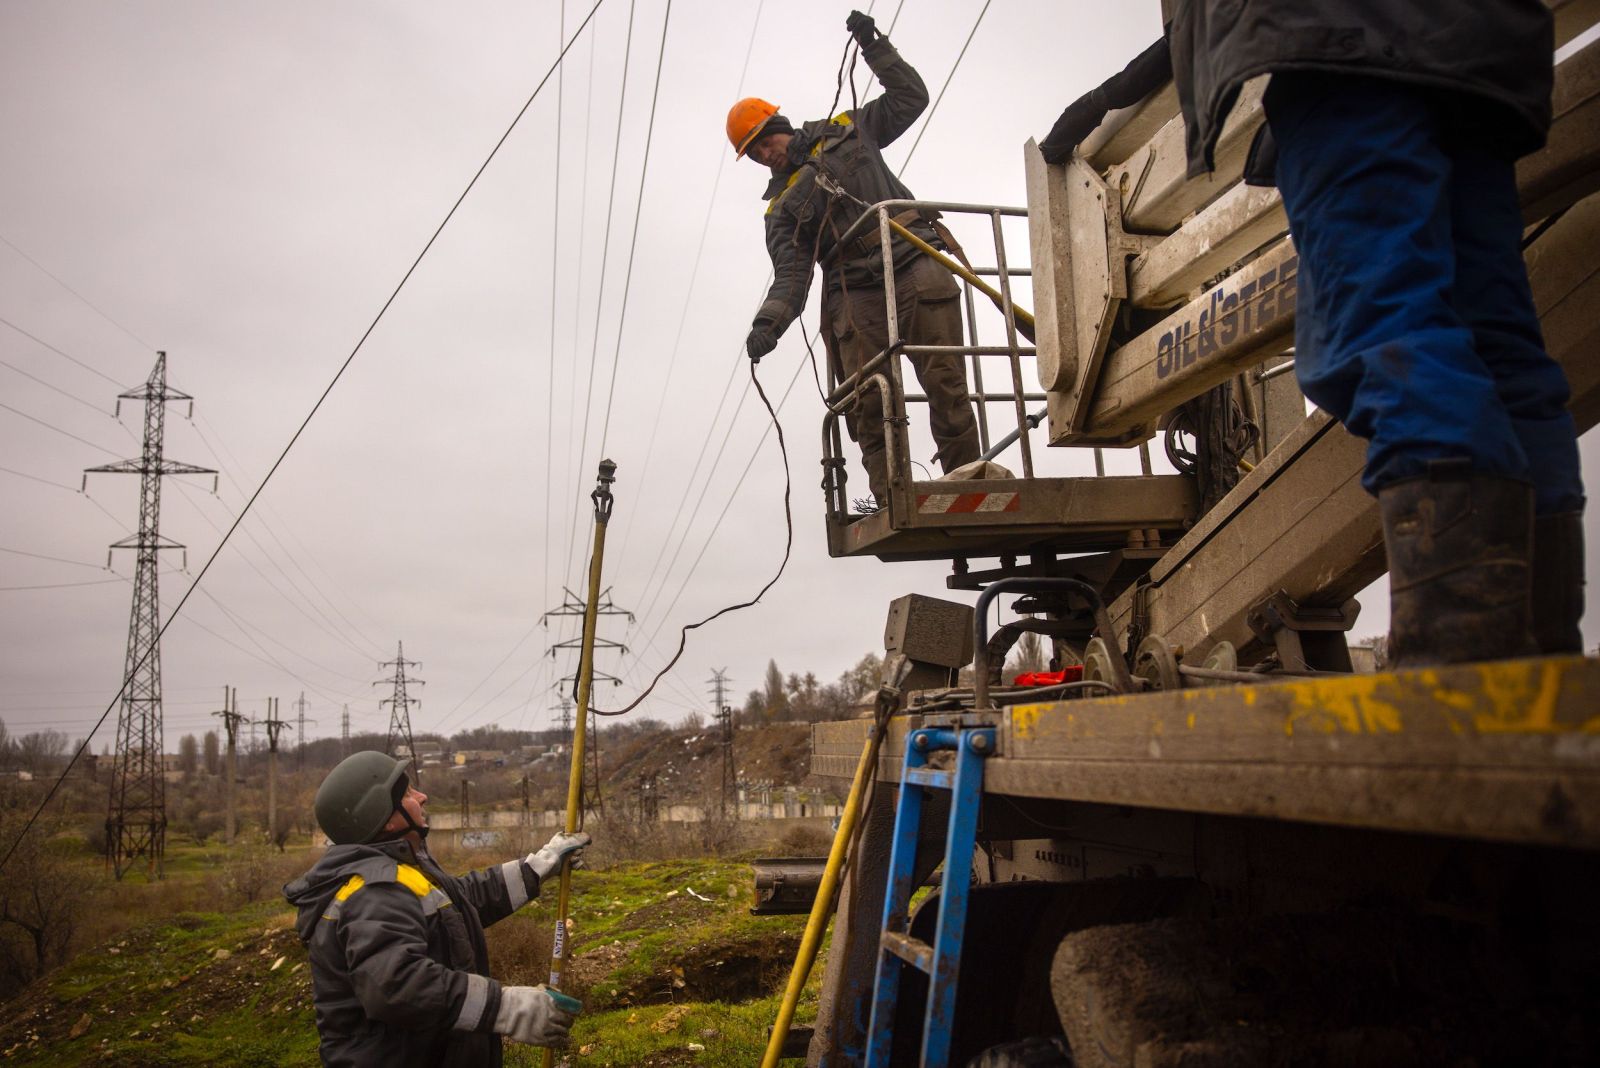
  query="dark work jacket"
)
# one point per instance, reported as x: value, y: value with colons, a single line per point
x: 1499, y: 51
x: 399, y: 966
x: 803, y: 218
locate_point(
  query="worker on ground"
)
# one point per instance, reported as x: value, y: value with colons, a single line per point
x: 822, y: 176
x: 1392, y: 131
x: 399, y: 966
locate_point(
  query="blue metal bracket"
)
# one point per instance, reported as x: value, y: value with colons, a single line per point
x: 942, y: 960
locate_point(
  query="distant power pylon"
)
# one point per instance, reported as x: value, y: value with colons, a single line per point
x: 564, y: 720
x: 300, y: 732
x: 573, y: 605
x: 400, y: 703
x: 344, y: 732
x: 724, y: 715
x: 136, y: 820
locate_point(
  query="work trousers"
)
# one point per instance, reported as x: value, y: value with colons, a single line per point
x: 1415, y: 324
x: 928, y: 312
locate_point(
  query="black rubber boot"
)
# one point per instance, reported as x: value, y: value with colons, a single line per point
x: 1558, y: 582
x: 1459, y: 546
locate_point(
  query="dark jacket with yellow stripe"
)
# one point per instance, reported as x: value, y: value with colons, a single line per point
x: 399, y: 966
x: 805, y: 218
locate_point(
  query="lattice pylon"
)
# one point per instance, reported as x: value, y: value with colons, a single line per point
x: 136, y: 819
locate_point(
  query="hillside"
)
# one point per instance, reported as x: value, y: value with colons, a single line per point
x: 671, y: 967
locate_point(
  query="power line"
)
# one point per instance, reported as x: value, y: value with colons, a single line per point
x: 50, y: 795
x: 36, y: 478
x: 87, y: 302
x: 59, y: 352
x: 58, y: 430
x: 53, y: 559
x: 599, y: 300
x: 694, y: 274
x: 926, y: 122
x: 633, y: 241
x: 56, y: 389
x: 550, y: 384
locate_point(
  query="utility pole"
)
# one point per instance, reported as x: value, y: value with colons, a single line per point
x: 466, y: 803
x: 526, y: 812
x: 400, y: 703
x: 136, y: 817
x: 344, y: 732
x: 274, y: 728
x: 230, y: 723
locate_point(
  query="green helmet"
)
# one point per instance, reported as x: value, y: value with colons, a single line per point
x: 359, y: 795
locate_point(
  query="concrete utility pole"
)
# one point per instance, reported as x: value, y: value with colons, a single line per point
x: 274, y: 727
x: 400, y: 702
x: 526, y: 813
x: 230, y: 768
x: 466, y: 803
x: 344, y: 732
x: 136, y: 818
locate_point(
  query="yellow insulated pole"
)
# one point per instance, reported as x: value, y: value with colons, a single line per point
x: 602, y: 515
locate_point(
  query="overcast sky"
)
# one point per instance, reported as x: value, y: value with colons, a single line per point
x: 243, y: 185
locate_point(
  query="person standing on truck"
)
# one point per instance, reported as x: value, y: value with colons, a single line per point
x: 399, y: 966
x: 822, y: 174
x: 1395, y: 126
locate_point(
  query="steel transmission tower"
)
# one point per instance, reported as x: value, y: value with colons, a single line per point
x: 300, y: 732
x: 724, y: 716
x: 400, y: 703
x: 136, y: 820
x: 344, y: 732
x: 573, y: 605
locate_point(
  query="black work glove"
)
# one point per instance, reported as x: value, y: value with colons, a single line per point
x: 760, y: 342
x: 862, y: 27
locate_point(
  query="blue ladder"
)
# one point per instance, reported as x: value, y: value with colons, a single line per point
x: 898, y: 949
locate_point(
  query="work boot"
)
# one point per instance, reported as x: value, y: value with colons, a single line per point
x: 1458, y: 546
x: 1558, y: 583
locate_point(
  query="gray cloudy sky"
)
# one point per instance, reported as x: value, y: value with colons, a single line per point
x: 243, y: 184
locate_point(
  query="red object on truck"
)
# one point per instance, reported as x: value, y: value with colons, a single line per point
x: 1050, y: 678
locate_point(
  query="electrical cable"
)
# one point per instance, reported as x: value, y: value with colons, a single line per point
x: 925, y: 122
x: 58, y: 430
x: 550, y: 382
x: 56, y: 389
x: 59, y: 352
x: 200, y: 576
x: 633, y: 240
x: 788, y: 545
x: 53, y: 559
x: 683, y: 315
x: 600, y: 293
x: 36, y: 478
x: 87, y: 302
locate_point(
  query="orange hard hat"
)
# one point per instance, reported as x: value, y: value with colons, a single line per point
x: 746, y: 119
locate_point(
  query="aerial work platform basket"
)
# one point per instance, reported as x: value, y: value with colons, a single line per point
x: 957, y: 518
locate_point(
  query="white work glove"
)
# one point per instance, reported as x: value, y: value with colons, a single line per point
x: 564, y: 845
x: 536, y: 1015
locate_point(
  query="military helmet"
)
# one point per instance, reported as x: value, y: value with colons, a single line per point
x: 359, y: 795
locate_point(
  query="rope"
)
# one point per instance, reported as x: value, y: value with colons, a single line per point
x: 788, y: 545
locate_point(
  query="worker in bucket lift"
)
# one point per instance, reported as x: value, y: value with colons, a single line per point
x: 399, y: 966
x: 1392, y: 131
x: 806, y: 214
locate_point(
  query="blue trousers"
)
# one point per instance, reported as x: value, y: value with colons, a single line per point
x: 1415, y: 324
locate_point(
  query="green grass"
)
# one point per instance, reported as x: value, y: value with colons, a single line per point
x: 157, y: 994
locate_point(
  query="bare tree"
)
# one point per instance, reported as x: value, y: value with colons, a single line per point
x: 41, y: 900
x: 6, y: 745
x: 40, y: 750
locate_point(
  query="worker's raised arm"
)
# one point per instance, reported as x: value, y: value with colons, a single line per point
x: 886, y: 117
